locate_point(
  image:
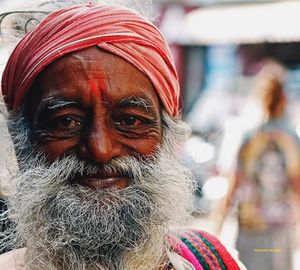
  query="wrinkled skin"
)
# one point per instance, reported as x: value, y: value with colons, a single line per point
x: 97, y: 106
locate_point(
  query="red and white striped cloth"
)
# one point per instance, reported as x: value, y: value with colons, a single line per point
x: 112, y: 28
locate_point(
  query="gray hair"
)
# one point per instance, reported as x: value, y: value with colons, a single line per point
x: 162, y: 189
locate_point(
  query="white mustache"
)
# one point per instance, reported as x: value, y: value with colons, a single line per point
x: 67, y: 226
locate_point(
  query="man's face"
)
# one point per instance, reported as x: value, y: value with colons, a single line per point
x: 98, y: 107
x: 107, y: 187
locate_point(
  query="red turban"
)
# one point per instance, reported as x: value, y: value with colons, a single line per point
x: 112, y: 28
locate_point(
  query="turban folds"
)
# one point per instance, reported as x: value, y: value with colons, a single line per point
x: 115, y: 29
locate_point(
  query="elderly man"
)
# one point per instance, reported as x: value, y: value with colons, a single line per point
x: 92, y: 96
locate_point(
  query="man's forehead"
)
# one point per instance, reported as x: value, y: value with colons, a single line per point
x: 93, y: 61
x: 93, y: 72
x: 95, y: 64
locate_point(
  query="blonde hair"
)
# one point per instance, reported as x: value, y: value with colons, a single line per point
x: 270, y: 89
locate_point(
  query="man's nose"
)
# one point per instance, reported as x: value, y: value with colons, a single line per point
x: 100, y: 144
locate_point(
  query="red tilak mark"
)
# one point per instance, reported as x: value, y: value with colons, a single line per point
x: 93, y: 85
x: 98, y: 87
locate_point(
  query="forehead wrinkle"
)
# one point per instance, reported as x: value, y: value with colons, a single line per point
x: 97, y: 74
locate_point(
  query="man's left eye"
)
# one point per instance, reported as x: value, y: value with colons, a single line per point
x: 128, y: 120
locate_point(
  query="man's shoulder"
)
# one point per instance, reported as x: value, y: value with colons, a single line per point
x: 13, y: 260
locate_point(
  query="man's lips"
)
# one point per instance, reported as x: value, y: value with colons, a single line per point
x: 100, y: 181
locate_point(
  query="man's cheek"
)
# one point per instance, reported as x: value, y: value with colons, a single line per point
x: 144, y: 147
x: 54, y: 149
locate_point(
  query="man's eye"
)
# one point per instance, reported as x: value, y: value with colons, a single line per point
x: 128, y: 120
x: 65, y: 122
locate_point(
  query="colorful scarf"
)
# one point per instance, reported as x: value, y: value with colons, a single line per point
x: 202, y: 250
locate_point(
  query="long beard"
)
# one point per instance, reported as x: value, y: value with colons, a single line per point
x: 68, y: 226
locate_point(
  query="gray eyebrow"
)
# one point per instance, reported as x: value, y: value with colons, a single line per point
x: 134, y: 101
x: 54, y: 103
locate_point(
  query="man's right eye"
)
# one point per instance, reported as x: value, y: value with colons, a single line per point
x: 60, y: 127
x: 65, y: 123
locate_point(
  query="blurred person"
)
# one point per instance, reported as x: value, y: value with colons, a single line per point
x: 92, y: 99
x: 265, y: 180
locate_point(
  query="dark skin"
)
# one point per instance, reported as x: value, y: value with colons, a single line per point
x: 97, y: 106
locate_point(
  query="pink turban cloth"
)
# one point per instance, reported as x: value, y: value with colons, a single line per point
x: 115, y: 29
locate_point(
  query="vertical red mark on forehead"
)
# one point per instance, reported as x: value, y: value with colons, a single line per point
x: 94, y: 86
x: 98, y: 87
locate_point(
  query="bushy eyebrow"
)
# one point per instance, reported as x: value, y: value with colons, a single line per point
x: 134, y: 101
x: 56, y: 103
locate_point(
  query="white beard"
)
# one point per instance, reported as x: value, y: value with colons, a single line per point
x: 68, y: 226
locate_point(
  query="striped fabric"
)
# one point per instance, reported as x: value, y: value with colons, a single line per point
x: 202, y: 250
x: 113, y: 28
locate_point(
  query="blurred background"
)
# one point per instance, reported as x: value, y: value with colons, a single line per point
x: 218, y: 47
